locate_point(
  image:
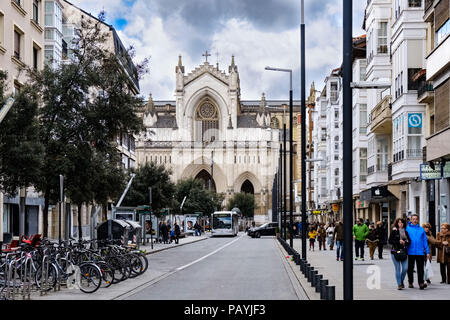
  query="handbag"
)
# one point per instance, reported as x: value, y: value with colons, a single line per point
x: 428, y: 271
x: 400, y: 254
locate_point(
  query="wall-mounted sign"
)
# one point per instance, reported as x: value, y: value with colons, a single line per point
x: 335, y: 207
x: 361, y: 204
x: 446, y: 171
x: 415, y: 120
x: 428, y: 173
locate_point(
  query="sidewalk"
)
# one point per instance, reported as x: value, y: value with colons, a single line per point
x: 363, y: 277
x: 122, y: 288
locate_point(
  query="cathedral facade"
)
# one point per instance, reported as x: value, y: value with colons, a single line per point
x: 209, y: 133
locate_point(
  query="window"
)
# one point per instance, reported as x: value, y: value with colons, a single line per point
x: 2, y: 29
x: 323, y: 109
x: 17, y: 87
x: 363, y: 164
x: 49, y: 17
x: 442, y: 33
x: 334, y: 91
x: 413, y: 85
x: 382, y: 154
x: 36, y: 11
x: 398, y: 133
x: 414, y: 139
x: 415, y: 3
x: 17, y: 40
x: 382, y: 38
x: 362, y: 71
x: 336, y: 125
x: 363, y: 118
x: 35, y: 58
x: 323, y: 134
x: 336, y: 146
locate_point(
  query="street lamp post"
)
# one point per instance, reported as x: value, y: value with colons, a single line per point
x: 291, y: 152
x: 347, y: 149
x: 303, y: 124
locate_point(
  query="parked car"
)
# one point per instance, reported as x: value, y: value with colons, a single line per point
x: 267, y: 229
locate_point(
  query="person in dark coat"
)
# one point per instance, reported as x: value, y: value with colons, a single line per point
x: 400, y: 240
x: 164, y: 232
x: 177, y: 233
x: 372, y: 240
x: 381, y: 237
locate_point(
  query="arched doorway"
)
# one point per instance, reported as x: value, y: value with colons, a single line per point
x: 206, y: 178
x: 247, y: 187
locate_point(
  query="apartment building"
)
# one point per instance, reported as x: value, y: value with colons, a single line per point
x: 433, y: 90
x: 21, y: 45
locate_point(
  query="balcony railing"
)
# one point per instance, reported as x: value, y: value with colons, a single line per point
x: 424, y: 87
x: 414, y: 153
x: 378, y: 168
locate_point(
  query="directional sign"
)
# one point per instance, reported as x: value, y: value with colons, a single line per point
x: 427, y: 173
x: 415, y: 120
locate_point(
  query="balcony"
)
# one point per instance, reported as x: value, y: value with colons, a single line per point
x: 381, y: 117
x: 438, y: 60
x: 425, y: 92
x: 414, y: 153
x: 438, y: 146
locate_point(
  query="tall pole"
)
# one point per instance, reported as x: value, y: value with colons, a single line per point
x: 61, y: 202
x: 151, y: 222
x: 303, y: 129
x: 280, y: 179
x: 347, y: 149
x: 284, y: 178
x: 291, y: 165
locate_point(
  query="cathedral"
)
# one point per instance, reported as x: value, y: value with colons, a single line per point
x: 209, y: 133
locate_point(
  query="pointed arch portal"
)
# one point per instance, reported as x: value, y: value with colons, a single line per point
x: 206, y: 178
x: 247, y: 187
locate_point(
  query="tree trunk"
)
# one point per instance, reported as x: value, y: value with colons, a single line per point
x: 45, y: 212
x: 80, y: 229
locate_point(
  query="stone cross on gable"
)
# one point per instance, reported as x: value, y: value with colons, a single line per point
x: 206, y: 55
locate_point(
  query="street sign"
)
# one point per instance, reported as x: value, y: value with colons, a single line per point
x: 446, y: 171
x: 415, y: 120
x: 427, y: 173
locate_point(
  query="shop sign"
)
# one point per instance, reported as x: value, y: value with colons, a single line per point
x: 428, y: 173
x: 335, y: 207
x: 446, y: 173
x: 361, y: 204
x: 317, y: 212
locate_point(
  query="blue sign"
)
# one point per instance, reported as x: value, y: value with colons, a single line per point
x: 415, y: 120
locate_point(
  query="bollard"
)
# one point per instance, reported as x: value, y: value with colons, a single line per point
x: 330, y: 293
x: 313, y: 277
x: 308, y: 273
x: 317, y: 282
x: 323, y: 290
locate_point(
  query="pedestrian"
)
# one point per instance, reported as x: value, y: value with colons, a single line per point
x: 330, y: 233
x: 360, y: 233
x: 381, y: 236
x: 312, y: 238
x: 399, y: 239
x: 322, y: 236
x: 338, y: 236
x: 300, y: 229
x: 443, y: 255
x: 416, y: 250
x: 164, y: 232
x: 367, y: 222
x: 196, y: 229
x: 431, y: 242
x: 372, y: 240
x: 177, y: 233
x: 160, y: 234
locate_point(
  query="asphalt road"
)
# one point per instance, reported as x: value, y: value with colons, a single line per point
x: 239, y: 268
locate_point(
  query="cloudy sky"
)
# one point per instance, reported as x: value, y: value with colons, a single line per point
x: 258, y: 32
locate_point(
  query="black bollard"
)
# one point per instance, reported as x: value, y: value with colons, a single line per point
x: 313, y: 277
x: 323, y: 289
x: 317, y: 282
x: 330, y: 290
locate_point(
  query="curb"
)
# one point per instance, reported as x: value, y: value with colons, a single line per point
x: 175, y: 246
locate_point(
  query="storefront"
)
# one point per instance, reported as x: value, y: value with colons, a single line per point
x: 362, y: 209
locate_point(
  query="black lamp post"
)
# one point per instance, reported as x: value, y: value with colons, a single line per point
x: 303, y: 128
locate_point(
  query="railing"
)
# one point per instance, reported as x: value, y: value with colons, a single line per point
x: 424, y: 87
x: 414, y: 153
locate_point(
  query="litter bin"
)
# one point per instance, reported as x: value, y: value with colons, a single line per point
x: 134, y: 234
x: 120, y: 230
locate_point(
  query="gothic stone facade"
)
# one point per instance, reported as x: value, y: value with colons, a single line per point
x: 209, y: 132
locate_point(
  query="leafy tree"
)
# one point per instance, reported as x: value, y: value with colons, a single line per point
x: 157, y: 177
x: 20, y: 149
x: 245, y: 202
x: 85, y: 104
x: 198, y: 198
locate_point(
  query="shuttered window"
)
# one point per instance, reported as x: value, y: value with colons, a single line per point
x: 442, y: 106
x: 441, y: 13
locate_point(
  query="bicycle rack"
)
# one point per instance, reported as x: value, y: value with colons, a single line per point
x: 26, y: 276
x: 44, y: 273
x: 58, y: 281
x: 11, y: 273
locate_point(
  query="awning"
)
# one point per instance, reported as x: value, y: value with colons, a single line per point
x: 395, y: 190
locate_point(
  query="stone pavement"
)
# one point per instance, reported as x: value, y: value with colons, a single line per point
x: 121, y: 288
x: 363, y: 275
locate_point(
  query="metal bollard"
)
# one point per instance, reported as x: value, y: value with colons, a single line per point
x: 317, y: 279
x: 330, y: 293
x: 307, y: 271
x: 44, y: 274
x: 313, y: 277
x: 323, y: 290
x: 26, y: 277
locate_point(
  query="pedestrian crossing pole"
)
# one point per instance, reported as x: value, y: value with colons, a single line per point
x: 347, y: 149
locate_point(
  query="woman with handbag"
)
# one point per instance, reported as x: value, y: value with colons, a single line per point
x: 443, y: 255
x: 399, y: 239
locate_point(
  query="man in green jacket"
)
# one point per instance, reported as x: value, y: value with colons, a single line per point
x: 360, y: 233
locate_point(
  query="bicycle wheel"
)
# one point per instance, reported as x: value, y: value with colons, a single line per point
x: 117, y: 269
x: 52, y: 276
x: 107, y: 274
x: 136, y: 265
x: 144, y: 260
x: 90, y: 278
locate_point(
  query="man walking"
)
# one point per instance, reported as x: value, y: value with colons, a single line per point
x: 164, y: 232
x: 177, y: 233
x: 360, y: 233
x: 416, y: 251
x: 338, y: 237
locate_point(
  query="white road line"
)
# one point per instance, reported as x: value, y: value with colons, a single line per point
x: 208, y: 255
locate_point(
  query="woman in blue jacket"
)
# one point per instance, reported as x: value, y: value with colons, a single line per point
x: 416, y: 251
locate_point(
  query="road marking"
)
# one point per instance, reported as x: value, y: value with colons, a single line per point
x: 143, y: 286
x: 208, y: 255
